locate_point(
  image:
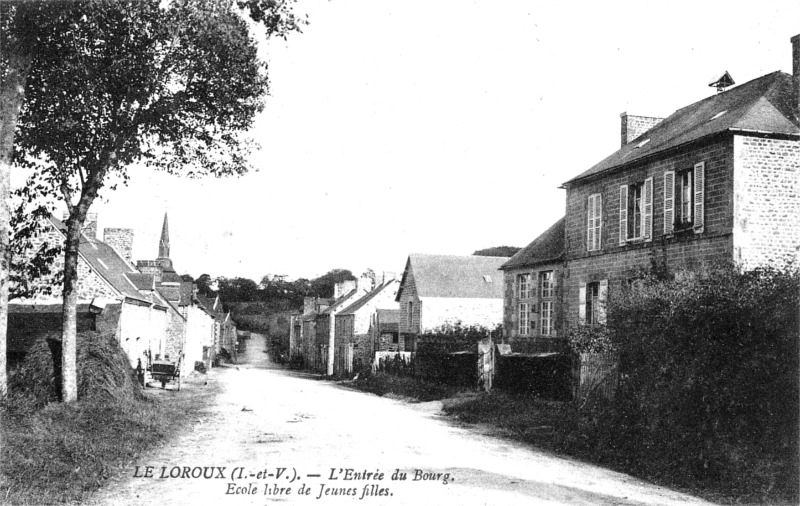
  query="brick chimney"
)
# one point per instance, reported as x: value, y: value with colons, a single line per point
x: 634, y: 126
x: 121, y: 239
x: 796, y: 75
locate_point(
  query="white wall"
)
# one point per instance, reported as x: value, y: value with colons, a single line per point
x: 437, y: 311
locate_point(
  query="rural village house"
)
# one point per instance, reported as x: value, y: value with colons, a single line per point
x: 112, y: 297
x: 716, y: 182
x: 439, y: 289
x: 353, y: 341
x: 384, y: 330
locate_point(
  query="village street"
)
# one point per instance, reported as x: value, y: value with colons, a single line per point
x: 272, y: 426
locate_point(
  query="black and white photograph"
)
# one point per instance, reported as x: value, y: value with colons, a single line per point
x: 440, y: 252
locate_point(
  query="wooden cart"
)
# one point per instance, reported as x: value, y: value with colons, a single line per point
x: 166, y: 371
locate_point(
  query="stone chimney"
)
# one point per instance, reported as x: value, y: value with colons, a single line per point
x: 89, y: 229
x: 796, y: 75
x: 343, y: 288
x: 634, y: 126
x: 309, y: 303
x: 121, y: 239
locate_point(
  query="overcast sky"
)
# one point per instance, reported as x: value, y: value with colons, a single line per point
x: 441, y: 126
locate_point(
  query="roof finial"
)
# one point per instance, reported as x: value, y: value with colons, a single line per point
x: 722, y: 81
x: 163, y: 244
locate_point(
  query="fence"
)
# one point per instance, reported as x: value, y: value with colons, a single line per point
x: 599, y: 375
x: 544, y: 375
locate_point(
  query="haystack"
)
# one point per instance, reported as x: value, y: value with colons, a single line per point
x: 103, y: 371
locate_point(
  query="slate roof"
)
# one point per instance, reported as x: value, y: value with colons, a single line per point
x: 207, y: 303
x: 142, y: 281
x: 107, y: 263
x: 339, y: 303
x: 358, y: 304
x: 389, y: 315
x: 760, y: 105
x: 455, y: 276
x: 547, y: 248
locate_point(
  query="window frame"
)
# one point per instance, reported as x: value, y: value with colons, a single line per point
x: 523, y: 309
x: 594, y: 222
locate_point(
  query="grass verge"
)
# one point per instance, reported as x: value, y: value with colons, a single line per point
x: 401, y: 386
x: 561, y: 428
x: 64, y: 452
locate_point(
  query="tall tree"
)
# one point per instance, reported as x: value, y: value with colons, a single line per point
x: 101, y: 85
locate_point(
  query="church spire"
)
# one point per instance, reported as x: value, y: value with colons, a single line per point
x: 163, y: 244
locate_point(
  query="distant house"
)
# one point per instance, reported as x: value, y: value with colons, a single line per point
x: 113, y: 297
x: 345, y: 293
x: 437, y: 289
x: 534, y: 280
x: 354, y: 344
x: 302, y: 329
x: 190, y: 332
x: 384, y: 330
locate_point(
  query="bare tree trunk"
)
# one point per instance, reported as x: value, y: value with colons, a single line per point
x: 69, y: 332
x: 12, y: 93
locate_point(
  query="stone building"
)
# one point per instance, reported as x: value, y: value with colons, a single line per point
x: 353, y: 341
x: 716, y: 182
x: 113, y: 296
x: 533, y: 281
x: 439, y: 289
x: 190, y: 329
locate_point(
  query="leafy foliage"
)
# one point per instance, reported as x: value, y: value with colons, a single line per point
x: 709, y: 378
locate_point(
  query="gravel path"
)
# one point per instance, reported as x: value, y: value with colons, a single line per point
x: 276, y: 432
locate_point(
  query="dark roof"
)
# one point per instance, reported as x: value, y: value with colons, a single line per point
x: 142, y: 281
x: 207, y: 303
x: 548, y: 247
x: 339, y: 302
x: 358, y: 304
x: 171, y: 277
x: 760, y: 105
x: 455, y: 276
x: 107, y: 263
x: 185, y: 293
x: 389, y: 320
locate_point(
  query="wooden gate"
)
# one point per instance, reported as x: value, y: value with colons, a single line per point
x: 485, y: 364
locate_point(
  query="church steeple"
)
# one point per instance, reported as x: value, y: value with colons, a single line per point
x: 163, y: 244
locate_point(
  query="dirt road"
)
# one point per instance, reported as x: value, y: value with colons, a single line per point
x: 280, y: 436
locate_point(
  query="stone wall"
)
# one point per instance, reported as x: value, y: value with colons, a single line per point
x: 767, y: 200
x: 678, y: 251
x: 534, y: 341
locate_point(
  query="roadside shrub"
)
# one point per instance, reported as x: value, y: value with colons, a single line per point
x: 708, y: 379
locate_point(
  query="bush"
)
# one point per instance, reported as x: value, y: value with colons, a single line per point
x: 708, y: 379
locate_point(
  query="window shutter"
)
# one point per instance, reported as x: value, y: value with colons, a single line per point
x: 590, y: 223
x: 598, y: 213
x: 623, y: 214
x: 602, y: 296
x: 669, y: 202
x: 582, y: 303
x: 699, y: 195
x: 647, y: 212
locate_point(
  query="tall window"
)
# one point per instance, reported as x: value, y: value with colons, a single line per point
x: 524, y: 319
x: 592, y: 303
x: 594, y: 213
x: 635, y: 210
x: 685, y: 198
x: 410, y: 315
x: 546, y: 293
x: 523, y: 285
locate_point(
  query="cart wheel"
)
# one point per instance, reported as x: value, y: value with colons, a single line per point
x: 179, y: 383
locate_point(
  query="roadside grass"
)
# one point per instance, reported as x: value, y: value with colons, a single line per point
x: 560, y: 428
x: 383, y: 384
x: 55, y: 453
